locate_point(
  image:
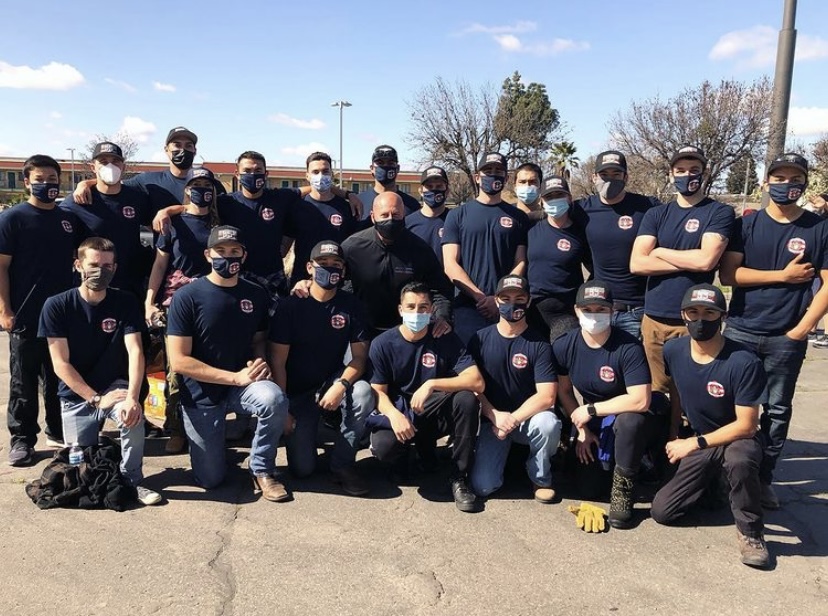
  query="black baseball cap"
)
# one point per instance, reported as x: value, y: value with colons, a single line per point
x: 594, y: 292
x: 611, y: 159
x: 384, y: 151
x: 180, y: 131
x: 707, y: 295
x: 107, y: 147
x: 492, y: 158
x: 689, y: 151
x: 202, y: 173
x: 554, y: 183
x: 512, y: 283
x: 789, y: 159
x: 223, y: 234
x: 434, y: 172
x: 327, y: 248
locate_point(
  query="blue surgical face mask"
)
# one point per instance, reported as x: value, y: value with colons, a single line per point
x: 786, y: 193
x: 556, y: 207
x: 253, y: 182
x: 327, y: 277
x: 202, y: 196
x: 321, y: 182
x: 688, y: 185
x: 385, y: 174
x: 46, y: 192
x: 512, y: 312
x: 527, y: 193
x: 491, y: 184
x: 434, y: 198
x: 227, y: 267
x: 416, y: 321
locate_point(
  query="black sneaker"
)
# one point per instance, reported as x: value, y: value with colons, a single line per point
x: 20, y: 454
x: 464, y: 498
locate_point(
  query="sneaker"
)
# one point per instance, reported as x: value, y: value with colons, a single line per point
x: 270, y: 488
x: 769, y: 498
x: 53, y: 442
x: 464, y: 498
x: 351, y: 482
x: 543, y: 494
x: 820, y: 342
x: 20, y: 454
x: 176, y: 444
x: 754, y: 551
x: 146, y: 496
x: 621, y: 501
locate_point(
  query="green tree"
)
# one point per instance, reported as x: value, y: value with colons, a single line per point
x: 525, y: 121
x: 562, y: 159
x: 736, y: 176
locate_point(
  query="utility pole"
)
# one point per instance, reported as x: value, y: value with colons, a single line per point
x: 72, y: 152
x: 341, y: 104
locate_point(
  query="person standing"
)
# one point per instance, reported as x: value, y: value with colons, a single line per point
x: 385, y: 165
x: 427, y: 223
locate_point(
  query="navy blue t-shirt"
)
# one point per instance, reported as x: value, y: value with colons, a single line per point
x: 315, y: 221
x: 512, y: 366
x: 367, y: 197
x: 681, y: 228
x: 710, y: 392
x: 428, y: 229
x: 185, y: 241
x: 222, y: 322
x: 555, y: 257
x: 118, y: 218
x: 42, y: 246
x: 602, y: 373
x: 95, y: 335
x: 318, y: 334
x: 404, y: 366
x: 162, y: 188
x: 263, y: 222
x: 611, y: 231
x: 489, y: 237
x: 773, y: 309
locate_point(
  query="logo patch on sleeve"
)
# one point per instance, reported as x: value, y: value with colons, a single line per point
x: 692, y: 225
x: 715, y: 389
x: 246, y: 305
x: 109, y: 325
x: 625, y: 222
x: 796, y: 245
x: 506, y: 222
x: 564, y: 245
x: 128, y: 211
x: 607, y: 374
x: 338, y: 321
x: 520, y: 361
x: 429, y: 360
x: 336, y: 220
x: 267, y: 214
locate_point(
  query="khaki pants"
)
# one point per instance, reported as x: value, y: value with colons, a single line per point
x: 655, y: 334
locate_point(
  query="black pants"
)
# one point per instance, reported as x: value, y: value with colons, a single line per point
x: 30, y: 365
x: 741, y: 460
x: 457, y: 414
x: 552, y: 316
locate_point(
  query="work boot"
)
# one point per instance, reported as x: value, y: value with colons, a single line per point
x: 769, y: 499
x: 352, y: 484
x: 175, y: 444
x: 271, y: 488
x: 754, y: 551
x: 621, y: 500
x: 464, y: 498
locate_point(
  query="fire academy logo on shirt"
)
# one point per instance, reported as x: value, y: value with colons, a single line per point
x: 67, y: 226
x: 506, y: 222
x: 692, y: 225
x: 520, y: 361
x: 246, y: 305
x: 625, y: 222
x: 715, y: 389
x: 128, y: 211
x: 268, y: 214
x: 109, y: 325
x: 607, y: 374
x: 564, y: 245
x: 796, y: 245
x: 336, y: 220
x: 338, y: 321
x: 429, y: 360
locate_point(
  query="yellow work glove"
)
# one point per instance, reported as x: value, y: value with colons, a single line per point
x: 589, y: 518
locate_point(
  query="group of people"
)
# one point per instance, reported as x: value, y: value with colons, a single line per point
x: 404, y: 321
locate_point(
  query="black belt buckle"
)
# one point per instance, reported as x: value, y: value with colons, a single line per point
x: 623, y: 307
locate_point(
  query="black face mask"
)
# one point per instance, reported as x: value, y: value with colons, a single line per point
x: 702, y: 330
x: 183, y: 159
x: 390, y: 228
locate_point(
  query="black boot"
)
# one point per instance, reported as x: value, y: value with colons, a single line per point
x: 464, y: 498
x: 621, y: 500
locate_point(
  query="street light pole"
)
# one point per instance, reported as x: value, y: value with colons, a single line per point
x: 341, y: 104
x: 72, y: 152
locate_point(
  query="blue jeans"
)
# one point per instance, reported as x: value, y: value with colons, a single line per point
x: 204, y: 427
x: 468, y: 321
x: 542, y: 432
x: 782, y: 359
x: 301, y: 444
x: 629, y: 320
x: 82, y: 423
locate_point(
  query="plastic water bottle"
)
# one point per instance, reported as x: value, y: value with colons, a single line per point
x: 75, y: 455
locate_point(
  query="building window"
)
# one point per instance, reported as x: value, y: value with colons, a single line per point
x: 285, y: 184
x: 403, y: 188
x: 12, y: 176
x: 355, y: 187
x: 296, y: 183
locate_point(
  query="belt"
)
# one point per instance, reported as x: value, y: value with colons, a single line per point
x: 624, y: 307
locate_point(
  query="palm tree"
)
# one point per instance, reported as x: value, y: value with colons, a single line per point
x: 562, y: 158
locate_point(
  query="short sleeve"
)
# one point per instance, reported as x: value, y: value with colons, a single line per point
x: 133, y: 319
x: 544, y: 370
x: 7, y: 234
x: 51, y: 324
x: 750, y: 384
x: 634, y: 365
x: 181, y: 317
x: 280, y: 323
x: 559, y: 360
x: 380, y: 370
x: 737, y: 239
x: 722, y: 222
x: 451, y: 230
x: 164, y: 243
x: 359, y: 331
x: 649, y: 223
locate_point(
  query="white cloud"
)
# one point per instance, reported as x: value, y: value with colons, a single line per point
x: 286, y: 120
x: 163, y: 87
x: 6, y: 150
x: 808, y: 121
x: 138, y: 129
x: 512, y: 44
x: 55, y: 115
x: 517, y: 28
x: 52, y: 76
x: 159, y: 157
x: 756, y: 47
x: 304, y: 149
x: 126, y: 87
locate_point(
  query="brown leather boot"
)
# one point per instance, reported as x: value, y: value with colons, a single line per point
x: 270, y: 488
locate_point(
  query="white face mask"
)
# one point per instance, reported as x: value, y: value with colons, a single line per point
x: 110, y: 174
x: 595, y: 322
x: 321, y: 182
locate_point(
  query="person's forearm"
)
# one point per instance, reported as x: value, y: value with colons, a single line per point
x: 486, y: 408
x: 625, y: 403
x: 354, y: 370
x: 647, y: 265
x: 693, y: 260
x: 136, y: 374
x: 748, y: 277
x: 188, y: 366
x: 384, y: 404
x: 459, y: 278
x: 74, y: 381
x: 5, y: 296
x: 567, y: 400
x: 462, y: 382
x: 533, y: 405
x: 519, y: 268
x: 159, y: 268
x: 817, y: 310
x: 733, y: 431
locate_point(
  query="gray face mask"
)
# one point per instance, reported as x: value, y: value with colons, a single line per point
x: 97, y: 278
x: 609, y: 189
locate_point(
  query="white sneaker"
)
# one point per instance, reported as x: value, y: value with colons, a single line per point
x: 147, y: 496
x: 50, y: 442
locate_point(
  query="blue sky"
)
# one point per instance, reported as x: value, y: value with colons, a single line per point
x: 262, y: 75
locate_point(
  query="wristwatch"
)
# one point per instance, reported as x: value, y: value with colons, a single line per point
x: 95, y: 401
x: 701, y: 442
x: 345, y: 383
x: 591, y: 410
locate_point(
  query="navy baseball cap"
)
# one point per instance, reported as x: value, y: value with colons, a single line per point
x: 789, y: 159
x: 492, y: 158
x: 611, y: 159
x: 434, y: 172
x: 327, y: 248
x: 202, y: 173
x: 689, y: 151
x: 554, y: 183
x: 705, y: 295
x: 384, y: 151
x: 594, y: 292
x: 512, y: 283
x: 107, y: 147
x: 180, y: 131
x: 223, y: 234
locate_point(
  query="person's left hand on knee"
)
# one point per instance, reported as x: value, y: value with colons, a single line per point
x: 130, y: 413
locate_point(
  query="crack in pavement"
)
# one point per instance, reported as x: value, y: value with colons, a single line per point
x: 224, y: 571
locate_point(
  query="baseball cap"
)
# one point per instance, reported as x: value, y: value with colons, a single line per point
x: 707, y: 295
x: 223, y: 234
x: 492, y: 158
x: 594, y: 292
x: 434, y: 172
x: 384, y: 151
x: 789, y: 159
x: 611, y: 159
x: 107, y: 147
x: 327, y: 248
x: 200, y: 173
x: 509, y: 283
x: 180, y: 131
x: 689, y: 151
x: 554, y: 183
